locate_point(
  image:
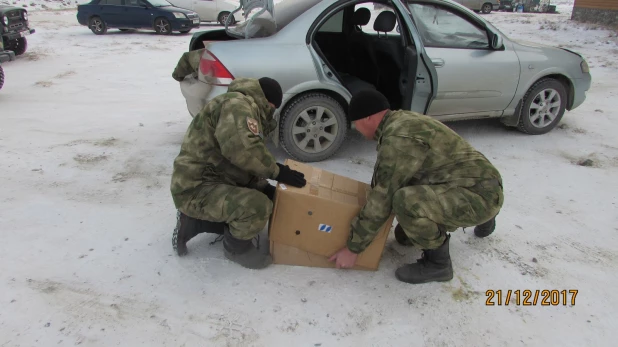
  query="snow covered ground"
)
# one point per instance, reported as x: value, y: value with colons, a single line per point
x: 90, y: 125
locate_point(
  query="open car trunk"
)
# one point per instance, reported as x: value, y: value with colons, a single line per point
x: 263, y: 18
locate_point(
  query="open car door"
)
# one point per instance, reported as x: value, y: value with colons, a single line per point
x: 419, y: 81
x: 259, y: 19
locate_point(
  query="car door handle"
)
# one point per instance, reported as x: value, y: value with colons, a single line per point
x: 438, y: 62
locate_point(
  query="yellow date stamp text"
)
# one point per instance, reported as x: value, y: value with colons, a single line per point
x: 531, y: 297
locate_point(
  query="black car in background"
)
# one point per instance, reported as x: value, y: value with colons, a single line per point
x: 14, y: 28
x: 158, y: 15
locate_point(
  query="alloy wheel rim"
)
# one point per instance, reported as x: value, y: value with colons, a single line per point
x: 545, y: 108
x: 162, y: 26
x: 315, y: 129
x: 97, y: 25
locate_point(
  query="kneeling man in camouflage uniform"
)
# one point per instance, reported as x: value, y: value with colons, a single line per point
x: 431, y: 178
x: 219, y: 180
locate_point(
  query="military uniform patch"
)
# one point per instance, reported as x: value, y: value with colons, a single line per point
x: 253, y: 126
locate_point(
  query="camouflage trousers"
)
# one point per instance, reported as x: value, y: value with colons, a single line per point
x: 427, y: 212
x: 245, y: 210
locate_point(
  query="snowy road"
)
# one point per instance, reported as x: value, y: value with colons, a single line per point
x: 90, y: 125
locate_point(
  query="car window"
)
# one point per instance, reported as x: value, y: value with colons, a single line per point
x: 132, y: 3
x: 376, y: 9
x: 334, y: 24
x: 439, y: 27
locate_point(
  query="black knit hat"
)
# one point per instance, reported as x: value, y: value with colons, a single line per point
x: 272, y: 90
x: 366, y: 103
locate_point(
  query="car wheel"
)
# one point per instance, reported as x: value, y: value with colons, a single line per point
x: 223, y: 17
x: 163, y: 26
x: 313, y: 127
x: 543, y: 107
x: 97, y: 25
x: 1, y: 77
x: 18, y: 46
x: 487, y: 7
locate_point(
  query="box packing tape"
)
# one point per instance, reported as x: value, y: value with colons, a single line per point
x: 314, y: 182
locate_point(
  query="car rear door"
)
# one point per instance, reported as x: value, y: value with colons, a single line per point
x: 112, y: 12
x: 419, y: 80
x: 475, y: 80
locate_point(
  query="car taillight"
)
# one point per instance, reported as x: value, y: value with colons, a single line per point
x: 214, y: 71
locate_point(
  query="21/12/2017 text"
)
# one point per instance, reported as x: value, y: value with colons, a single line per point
x: 531, y: 297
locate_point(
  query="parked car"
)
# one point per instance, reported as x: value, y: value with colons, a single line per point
x: 484, y: 6
x: 212, y: 10
x: 14, y: 28
x: 446, y: 62
x: 158, y: 15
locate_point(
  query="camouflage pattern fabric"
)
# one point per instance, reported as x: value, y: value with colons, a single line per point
x: 426, y: 212
x: 188, y: 64
x: 429, y: 172
x: 224, y: 148
x: 245, y: 210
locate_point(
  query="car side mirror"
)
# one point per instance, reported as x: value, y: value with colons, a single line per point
x: 496, y: 41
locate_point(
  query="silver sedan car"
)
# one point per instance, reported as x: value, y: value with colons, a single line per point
x: 435, y: 57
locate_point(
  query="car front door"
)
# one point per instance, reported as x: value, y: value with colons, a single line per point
x: 206, y: 9
x: 476, y: 79
x: 137, y: 14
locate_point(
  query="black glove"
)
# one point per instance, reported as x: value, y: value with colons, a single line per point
x: 291, y: 177
x: 269, y: 190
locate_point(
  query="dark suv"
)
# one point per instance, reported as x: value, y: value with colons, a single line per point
x: 14, y: 28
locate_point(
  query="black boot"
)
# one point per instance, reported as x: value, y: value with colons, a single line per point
x: 434, y: 266
x: 244, y: 252
x: 486, y: 228
x: 401, y: 236
x: 188, y: 227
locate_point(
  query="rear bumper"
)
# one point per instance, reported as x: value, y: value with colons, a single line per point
x: 7, y: 56
x: 82, y: 19
x: 197, y: 94
x: 18, y: 34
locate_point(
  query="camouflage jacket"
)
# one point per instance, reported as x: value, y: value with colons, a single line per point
x: 414, y: 149
x: 224, y: 144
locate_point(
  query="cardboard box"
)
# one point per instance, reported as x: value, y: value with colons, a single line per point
x: 310, y: 224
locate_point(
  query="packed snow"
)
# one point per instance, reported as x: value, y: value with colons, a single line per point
x: 90, y: 126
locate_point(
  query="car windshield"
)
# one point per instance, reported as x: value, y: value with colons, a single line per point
x: 264, y: 24
x: 159, y: 3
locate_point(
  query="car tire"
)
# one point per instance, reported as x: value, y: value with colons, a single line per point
x: 537, y: 110
x: 162, y: 26
x: 223, y: 17
x: 1, y: 77
x: 18, y: 46
x: 97, y: 25
x: 302, y: 114
x: 487, y: 7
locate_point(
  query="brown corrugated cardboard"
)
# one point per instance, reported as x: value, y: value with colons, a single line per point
x: 310, y: 224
